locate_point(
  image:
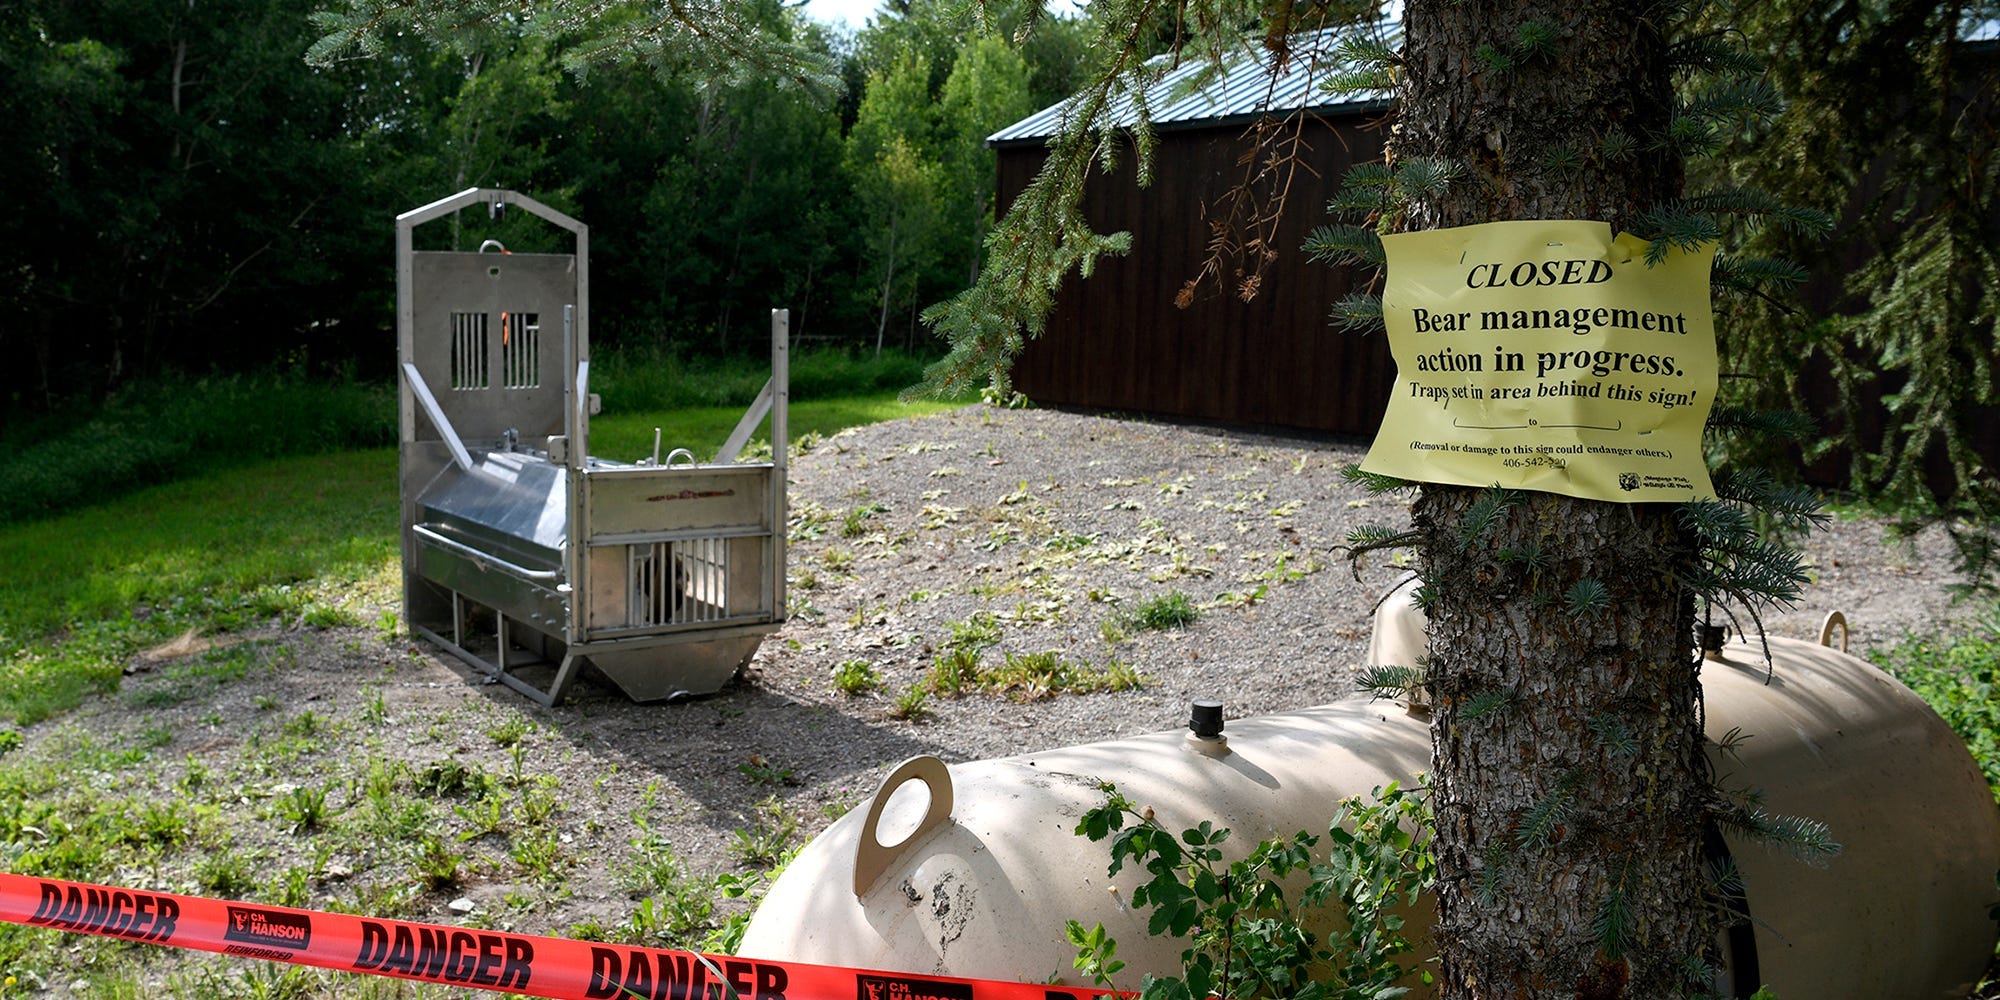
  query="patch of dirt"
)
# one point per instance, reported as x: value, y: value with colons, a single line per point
x: 1057, y: 524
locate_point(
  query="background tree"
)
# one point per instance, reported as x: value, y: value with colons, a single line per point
x: 987, y: 90
x: 1570, y: 787
x: 896, y: 185
x: 1539, y: 791
x: 179, y: 176
x: 1892, y: 125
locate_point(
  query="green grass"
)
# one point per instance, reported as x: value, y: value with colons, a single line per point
x: 634, y: 378
x: 164, y: 513
x: 628, y: 437
x: 1959, y: 676
x: 175, y: 427
x: 217, y: 553
x: 1170, y: 610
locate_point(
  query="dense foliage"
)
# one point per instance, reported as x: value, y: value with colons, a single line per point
x: 1892, y: 124
x: 1959, y: 675
x: 190, y: 193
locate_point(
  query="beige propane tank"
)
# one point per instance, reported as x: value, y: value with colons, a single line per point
x: 972, y: 870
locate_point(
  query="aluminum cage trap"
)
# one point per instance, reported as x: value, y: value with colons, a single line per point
x: 522, y: 554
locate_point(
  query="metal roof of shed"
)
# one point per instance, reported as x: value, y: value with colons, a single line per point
x: 1198, y: 92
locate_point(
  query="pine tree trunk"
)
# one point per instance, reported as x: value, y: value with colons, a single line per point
x: 1567, y: 759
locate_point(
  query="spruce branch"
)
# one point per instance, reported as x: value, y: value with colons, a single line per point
x: 1372, y: 538
x: 1613, y: 921
x: 1776, y: 425
x: 1757, y: 206
x: 1357, y: 312
x: 1484, y: 515
x: 1546, y: 818
x: 1713, y: 53
x: 1755, y: 275
x: 1493, y: 875
x: 1805, y: 840
x: 1617, y: 146
x: 1675, y: 226
x: 1486, y: 703
x: 1373, y: 482
x: 1736, y: 99
x: 1614, y: 734
x: 1341, y: 245
x: 1587, y: 598
x: 1390, y: 681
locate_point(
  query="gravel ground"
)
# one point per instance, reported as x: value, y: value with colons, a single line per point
x: 1058, y: 525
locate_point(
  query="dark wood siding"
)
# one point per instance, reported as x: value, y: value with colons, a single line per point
x: 1118, y: 342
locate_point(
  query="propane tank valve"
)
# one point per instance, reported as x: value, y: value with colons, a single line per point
x: 1205, y: 729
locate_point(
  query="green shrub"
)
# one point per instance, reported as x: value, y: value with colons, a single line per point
x: 650, y: 377
x: 175, y: 427
x: 1960, y: 677
x: 1248, y: 933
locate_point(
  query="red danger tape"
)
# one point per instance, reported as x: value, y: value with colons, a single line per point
x: 466, y: 956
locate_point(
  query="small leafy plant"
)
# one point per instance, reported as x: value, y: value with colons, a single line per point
x: 856, y: 677
x: 910, y: 705
x: 763, y: 772
x: 1170, y: 610
x: 1248, y: 937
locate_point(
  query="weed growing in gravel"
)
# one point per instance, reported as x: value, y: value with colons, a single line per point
x: 305, y: 808
x: 854, y: 523
x: 511, y: 731
x: 1122, y: 676
x: 1231, y: 598
x: 1025, y: 676
x: 807, y: 520
x: 227, y: 874
x: 763, y: 772
x: 1170, y: 610
x: 437, y: 866
x: 798, y: 605
x: 1068, y: 541
x: 856, y: 677
x: 953, y: 671
x: 449, y: 778
x: 486, y: 817
x: 977, y: 632
x: 1028, y: 676
x: 537, y: 848
x: 909, y: 706
x: 769, y: 837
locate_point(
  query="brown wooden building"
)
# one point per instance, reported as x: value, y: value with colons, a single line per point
x: 1119, y: 342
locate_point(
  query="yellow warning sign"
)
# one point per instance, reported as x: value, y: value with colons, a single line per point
x: 1548, y: 355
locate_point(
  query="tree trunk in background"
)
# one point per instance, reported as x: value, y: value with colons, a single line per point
x: 1597, y: 730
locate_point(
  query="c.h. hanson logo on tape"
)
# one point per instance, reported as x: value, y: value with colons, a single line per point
x: 260, y: 933
x: 250, y: 925
x: 909, y: 988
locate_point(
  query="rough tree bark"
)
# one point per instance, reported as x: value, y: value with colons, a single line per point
x: 1590, y: 721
